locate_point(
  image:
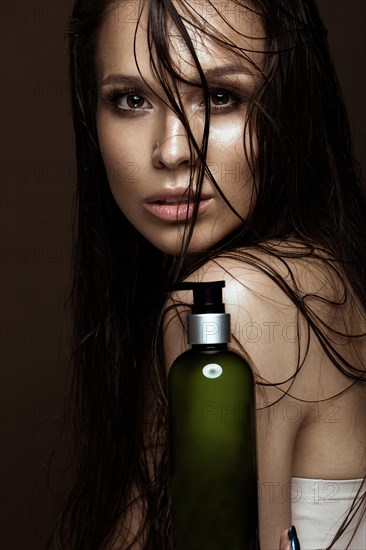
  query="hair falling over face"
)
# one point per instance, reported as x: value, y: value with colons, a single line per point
x: 301, y: 199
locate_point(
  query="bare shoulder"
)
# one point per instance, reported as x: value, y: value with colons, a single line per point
x: 277, y: 277
x: 275, y: 301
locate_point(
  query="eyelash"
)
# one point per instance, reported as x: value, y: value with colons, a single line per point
x: 237, y: 99
x: 114, y: 95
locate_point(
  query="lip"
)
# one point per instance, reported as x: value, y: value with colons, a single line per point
x: 172, y: 205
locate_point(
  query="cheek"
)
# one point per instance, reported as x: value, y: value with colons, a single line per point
x: 109, y: 147
x: 228, y: 160
x: 117, y: 152
x: 230, y: 166
x: 226, y: 144
x: 226, y: 135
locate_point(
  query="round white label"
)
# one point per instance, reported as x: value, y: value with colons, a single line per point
x: 212, y: 370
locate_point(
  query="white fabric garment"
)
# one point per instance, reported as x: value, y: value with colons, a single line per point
x: 318, y: 509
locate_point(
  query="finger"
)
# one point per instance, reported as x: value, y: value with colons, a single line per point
x: 285, y: 543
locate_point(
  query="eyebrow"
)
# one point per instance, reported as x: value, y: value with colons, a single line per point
x: 229, y: 69
x: 115, y: 78
x: 210, y: 74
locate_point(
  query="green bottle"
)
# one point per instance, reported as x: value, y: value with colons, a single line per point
x: 212, y: 442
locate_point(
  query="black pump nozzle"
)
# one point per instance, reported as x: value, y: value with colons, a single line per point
x: 207, y: 296
x: 208, y: 325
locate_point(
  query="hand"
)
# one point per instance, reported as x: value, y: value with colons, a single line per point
x: 289, y: 540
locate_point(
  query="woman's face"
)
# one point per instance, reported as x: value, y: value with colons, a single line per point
x: 143, y: 143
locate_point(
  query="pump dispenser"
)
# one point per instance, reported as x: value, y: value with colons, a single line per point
x: 211, y: 397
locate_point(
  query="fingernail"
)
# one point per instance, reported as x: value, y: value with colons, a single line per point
x: 292, y: 535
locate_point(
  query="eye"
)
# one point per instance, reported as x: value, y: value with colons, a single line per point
x: 126, y: 101
x: 222, y: 101
x: 132, y: 101
x: 221, y: 98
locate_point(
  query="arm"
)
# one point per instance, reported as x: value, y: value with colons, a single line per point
x: 259, y: 312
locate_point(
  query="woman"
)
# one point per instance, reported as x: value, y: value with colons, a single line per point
x: 212, y: 143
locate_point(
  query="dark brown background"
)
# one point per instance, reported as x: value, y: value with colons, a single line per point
x: 37, y: 180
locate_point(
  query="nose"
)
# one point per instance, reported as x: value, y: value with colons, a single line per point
x: 171, y: 150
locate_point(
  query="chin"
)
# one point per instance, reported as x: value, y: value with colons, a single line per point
x: 171, y: 242
x: 173, y: 247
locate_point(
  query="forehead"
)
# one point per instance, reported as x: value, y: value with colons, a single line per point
x: 220, y: 30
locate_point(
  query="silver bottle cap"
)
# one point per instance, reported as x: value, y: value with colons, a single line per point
x: 209, y: 328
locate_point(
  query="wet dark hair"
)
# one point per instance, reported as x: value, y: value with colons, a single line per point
x: 308, y: 190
